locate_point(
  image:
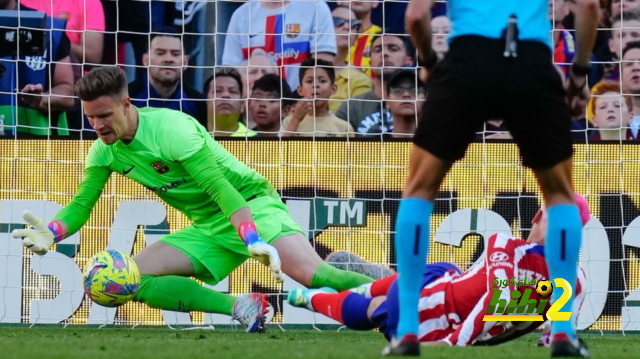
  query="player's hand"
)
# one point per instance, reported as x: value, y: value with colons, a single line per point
x: 37, y: 239
x: 267, y: 255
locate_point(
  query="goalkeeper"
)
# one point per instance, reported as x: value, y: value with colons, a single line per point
x: 235, y: 212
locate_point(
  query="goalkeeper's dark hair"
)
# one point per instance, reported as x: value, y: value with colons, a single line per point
x: 102, y: 81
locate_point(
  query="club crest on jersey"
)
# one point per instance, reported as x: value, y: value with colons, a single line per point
x: 160, y: 167
x: 292, y: 30
x: 37, y: 63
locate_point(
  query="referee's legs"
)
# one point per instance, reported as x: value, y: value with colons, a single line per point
x: 426, y: 173
x: 564, y: 236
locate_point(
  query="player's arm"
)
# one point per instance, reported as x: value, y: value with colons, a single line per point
x: 502, y: 269
x: 70, y: 218
x: 418, y: 20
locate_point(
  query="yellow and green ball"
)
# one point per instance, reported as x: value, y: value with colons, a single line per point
x: 111, y: 278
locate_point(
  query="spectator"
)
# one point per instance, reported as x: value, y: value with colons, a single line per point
x: 367, y: 110
x: 620, y: 6
x: 610, y: 112
x: 350, y: 81
x: 361, y: 50
x: 270, y: 102
x: 163, y: 85
x: 85, y: 25
x: 405, y: 95
x: 45, y: 84
x: 289, y: 31
x: 440, y: 27
x: 225, y: 105
x: 620, y: 36
x: 311, y: 115
x: 256, y: 66
x: 631, y: 81
x: 563, y: 42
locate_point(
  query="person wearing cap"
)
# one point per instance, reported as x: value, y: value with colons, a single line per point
x: 405, y: 95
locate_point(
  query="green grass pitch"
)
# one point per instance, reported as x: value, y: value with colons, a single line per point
x: 41, y: 342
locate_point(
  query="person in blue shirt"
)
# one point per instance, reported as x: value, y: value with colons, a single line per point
x: 499, y: 66
x: 163, y: 85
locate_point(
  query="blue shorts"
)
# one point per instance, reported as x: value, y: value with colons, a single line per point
x: 386, y: 316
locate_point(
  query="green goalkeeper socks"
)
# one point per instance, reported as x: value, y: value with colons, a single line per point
x: 338, y: 279
x: 182, y: 294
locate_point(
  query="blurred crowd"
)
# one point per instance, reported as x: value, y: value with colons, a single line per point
x: 275, y: 68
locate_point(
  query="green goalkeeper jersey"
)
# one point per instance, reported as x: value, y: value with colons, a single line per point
x: 175, y: 157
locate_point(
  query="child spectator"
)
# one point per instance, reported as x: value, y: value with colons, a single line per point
x: 610, y: 112
x: 311, y: 115
x: 256, y: 66
x: 269, y: 103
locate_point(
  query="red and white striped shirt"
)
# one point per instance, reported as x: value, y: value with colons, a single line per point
x: 452, y: 308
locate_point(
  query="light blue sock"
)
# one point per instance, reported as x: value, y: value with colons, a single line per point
x: 562, y: 249
x: 412, y: 245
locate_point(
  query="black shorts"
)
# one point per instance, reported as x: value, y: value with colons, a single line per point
x: 475, y: 83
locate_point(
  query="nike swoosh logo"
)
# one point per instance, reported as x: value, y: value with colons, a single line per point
x: 125, y: 172
x: 253, y: 35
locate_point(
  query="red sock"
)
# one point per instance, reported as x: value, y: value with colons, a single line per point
x: 381, y: 286
x: 330, y: 304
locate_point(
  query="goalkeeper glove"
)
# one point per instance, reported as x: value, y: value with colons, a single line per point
x: 39, y: 238
x: 259, y: 250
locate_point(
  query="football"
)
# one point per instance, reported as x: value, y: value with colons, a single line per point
x: 111, y: 278
x: 544, y: 288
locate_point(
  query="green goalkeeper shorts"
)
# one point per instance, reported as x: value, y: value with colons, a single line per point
x: 216, y: 249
